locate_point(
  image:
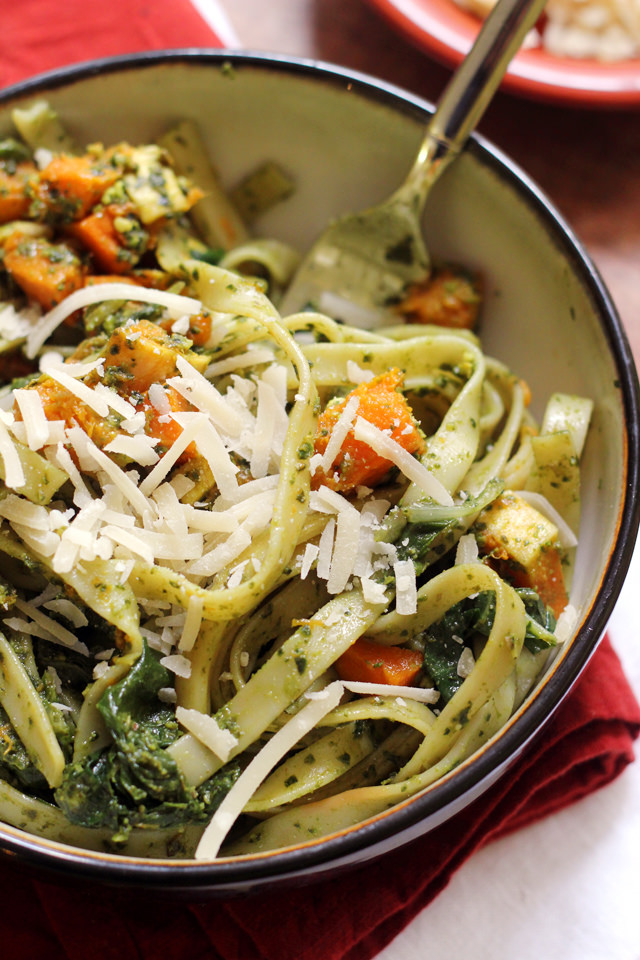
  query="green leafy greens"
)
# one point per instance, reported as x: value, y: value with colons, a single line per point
x: 467, y: 624
x: 134, y: 782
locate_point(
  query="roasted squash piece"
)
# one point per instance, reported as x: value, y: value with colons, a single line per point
x: 382, y: 404
x: 369, y: 662
x: 46, y: 272
x: 138, y: 355
x: 522, y: 545
x: 449, y: 298
x: 14, y: 194
x: 99, y: 233
x: 69, y: 187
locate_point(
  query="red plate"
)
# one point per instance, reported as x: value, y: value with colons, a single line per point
x: 442, y: 29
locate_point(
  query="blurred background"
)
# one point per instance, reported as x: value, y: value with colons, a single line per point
x: 585, y: 160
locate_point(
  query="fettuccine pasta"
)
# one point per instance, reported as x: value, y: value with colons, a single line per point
x: 263, y: 576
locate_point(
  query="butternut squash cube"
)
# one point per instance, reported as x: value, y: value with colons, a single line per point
x: 522, y: 545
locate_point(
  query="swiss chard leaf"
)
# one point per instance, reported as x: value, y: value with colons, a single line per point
x: 432, y: 529
x: 445, y: 640
x: 142, y: 728
x: 135, y: 782
x: 471, y: 619
x: 541, y: 623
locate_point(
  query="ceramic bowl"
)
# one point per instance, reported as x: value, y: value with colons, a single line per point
x: 349, y: 139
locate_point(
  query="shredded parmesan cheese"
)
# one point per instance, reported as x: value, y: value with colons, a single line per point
x: 466, y: 663
x: 57, y: 633
x: 36, y: 424
x: 357, y: 374
x: 423, y: 694
x: 207, y: 731
x: 139, y: 449
x: 192, y: 623
x: 413, y: 469
x: 262, y: 764
x: 566, y: 624
x: 17, y: 509
x: 309, y: 557
x: 339, y: 433
x: 175, y: 305
x: 467, y: 549
x: 325, y: 549
x: 214, y: 560
x: 177, y: 664
x: 345, y: 550
x: 202, y: 394
x: 266, y: 441
x: 213, y: 450
x: 79, y: 389
x: 13, y: 472
x: 159, y: 399
x: 406, y: 590
x: 372, y: 591
x: 161, y: 469
x: 125, y: 484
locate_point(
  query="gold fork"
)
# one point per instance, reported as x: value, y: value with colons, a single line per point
x: 363, y: 263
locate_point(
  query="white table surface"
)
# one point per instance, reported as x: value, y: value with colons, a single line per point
x: 566, y: 888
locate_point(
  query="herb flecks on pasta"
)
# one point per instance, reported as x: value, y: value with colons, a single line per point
x: 263, y: 577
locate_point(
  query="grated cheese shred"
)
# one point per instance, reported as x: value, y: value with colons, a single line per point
x: 412, y: 468
x: 206, y: 729
x: 175, y: 304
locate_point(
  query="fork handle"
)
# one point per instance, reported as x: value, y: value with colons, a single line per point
x: 468, y: 94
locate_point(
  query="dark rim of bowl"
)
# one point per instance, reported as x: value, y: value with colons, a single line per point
x: 373, y: 837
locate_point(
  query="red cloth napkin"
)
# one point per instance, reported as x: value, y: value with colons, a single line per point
x: 39, y: 35
x: 587, y: 743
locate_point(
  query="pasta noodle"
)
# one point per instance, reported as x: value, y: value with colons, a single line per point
x: 263, y: 576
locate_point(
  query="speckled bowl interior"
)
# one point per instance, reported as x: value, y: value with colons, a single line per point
x: 348, y: 140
